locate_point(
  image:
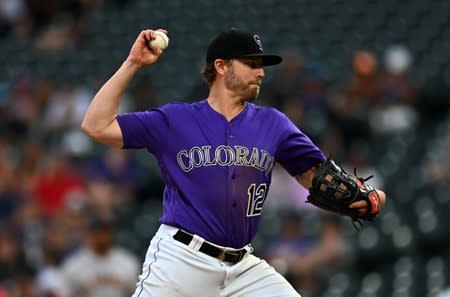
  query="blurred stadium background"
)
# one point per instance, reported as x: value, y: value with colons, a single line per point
x: 368, y: 80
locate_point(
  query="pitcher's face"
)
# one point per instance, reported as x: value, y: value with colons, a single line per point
x: 244, y: 77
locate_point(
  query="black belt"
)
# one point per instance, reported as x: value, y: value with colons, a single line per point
x: 211, y: 250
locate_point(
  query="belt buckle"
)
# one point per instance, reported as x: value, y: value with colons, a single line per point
x: 221, y: 255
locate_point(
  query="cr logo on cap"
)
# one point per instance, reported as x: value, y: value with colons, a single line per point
x: 258, y: 42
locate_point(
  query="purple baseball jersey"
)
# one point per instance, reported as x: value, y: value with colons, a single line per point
x: 217, y: 173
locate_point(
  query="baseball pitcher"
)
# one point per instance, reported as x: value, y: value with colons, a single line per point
x: 216, y: 157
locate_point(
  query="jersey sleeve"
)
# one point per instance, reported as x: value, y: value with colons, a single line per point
x: 144, y: 129
x: 296, y: 152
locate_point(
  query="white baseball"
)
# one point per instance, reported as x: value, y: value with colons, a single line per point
x: 161, y: 40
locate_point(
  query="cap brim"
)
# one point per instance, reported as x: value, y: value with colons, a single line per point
x: 268, y: 60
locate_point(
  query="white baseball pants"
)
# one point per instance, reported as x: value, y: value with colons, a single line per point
x: 173, y: 269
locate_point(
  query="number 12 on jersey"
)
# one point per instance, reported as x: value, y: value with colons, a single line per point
x: 256, y: 197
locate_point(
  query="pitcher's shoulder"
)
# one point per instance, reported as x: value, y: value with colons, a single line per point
x: 268, y: 112
x: 177, y: 107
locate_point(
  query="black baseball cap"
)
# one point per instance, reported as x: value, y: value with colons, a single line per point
x: 235, y: 43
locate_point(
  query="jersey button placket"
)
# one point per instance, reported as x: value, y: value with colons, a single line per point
x: 230, y: 134
x: 230, y: 171
x: 231, y: 138
x: 230, y: 142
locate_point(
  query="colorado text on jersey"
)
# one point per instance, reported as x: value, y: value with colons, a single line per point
x: 224, y: 155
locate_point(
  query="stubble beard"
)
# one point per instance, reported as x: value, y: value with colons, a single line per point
x: 237, y: 85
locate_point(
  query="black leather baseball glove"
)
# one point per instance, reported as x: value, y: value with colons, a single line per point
x: 334, y: 190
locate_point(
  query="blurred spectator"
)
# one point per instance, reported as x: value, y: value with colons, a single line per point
x: 23, y: 103
x: 104, y: 198
x: 63, y: 114
x: 289, y: 244
x: 26, y: 218
x: 332, y: 142
x: 43, y: 13
x: 28, y: 166
x: 313, y: 100
x: 15, y: 272
x: 363, y: 87
x: 285, y: 192
x: 13, y: 17
x: 307, y: 259
x: 394, y: 111
x: 56, y: 185
x: 358, y: 158
x: 59, y: 24
x: 57, y: 36
x: 99, y: 268
x: 299, y: 90
x: 66, y: 108
x: 28, y: 224
x: 436, y: 168
x: 329, y: 255
x: 43, y: 89
x: 114, y: 180
x: 56, y: 246
x: 286, y: 86
x: 76, y: 145
x: 21, y: 108
x: 350, y: 107
x: 119, y: 168
x: 9, y: 197
x: 72, y: 221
